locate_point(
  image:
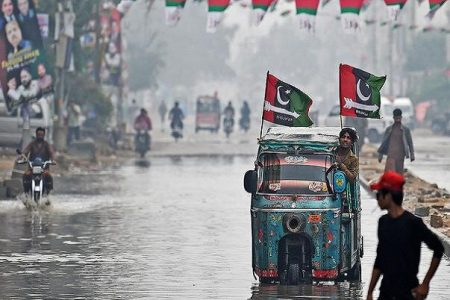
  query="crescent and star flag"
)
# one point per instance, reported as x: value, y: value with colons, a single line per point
x: 260, y: 8
x: 434, y: 6
x: 359, y: 92
x: 173, y: 11
x: 394, y: 7
x: 306, y: 12
x: 285, y: 104
x: 215, y: 14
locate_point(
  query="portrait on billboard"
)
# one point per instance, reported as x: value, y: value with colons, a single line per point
x: 23, y: 73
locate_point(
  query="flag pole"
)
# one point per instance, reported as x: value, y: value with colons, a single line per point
x: 340, y: 107
x: 264, y: 103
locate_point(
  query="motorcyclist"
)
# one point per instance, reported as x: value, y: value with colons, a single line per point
x: 176, y: 116
x: 38, y: 149
x: 244, y: 122
x: 228, y: 119
x: 228, y: 112
x: 143, y: 123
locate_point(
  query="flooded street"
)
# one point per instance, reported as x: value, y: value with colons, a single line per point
x: 177, y: 229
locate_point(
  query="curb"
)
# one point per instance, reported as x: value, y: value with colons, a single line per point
x: 444, y: 239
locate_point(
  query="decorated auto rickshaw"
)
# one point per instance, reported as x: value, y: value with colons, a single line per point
x: 207, y: 114
x: 305, y: 214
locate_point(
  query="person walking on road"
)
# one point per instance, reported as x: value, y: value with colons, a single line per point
x: 396, y: 144
x: 400, y: 236
x: 73, y: 122
x: 162, y: 109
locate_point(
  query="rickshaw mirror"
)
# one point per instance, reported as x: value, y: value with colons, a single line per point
x: 250, y: 181
x: 339, y: 182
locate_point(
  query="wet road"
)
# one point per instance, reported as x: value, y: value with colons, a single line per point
x: 177, y: 229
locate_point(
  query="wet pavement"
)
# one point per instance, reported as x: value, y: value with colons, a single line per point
x: 173, y: 228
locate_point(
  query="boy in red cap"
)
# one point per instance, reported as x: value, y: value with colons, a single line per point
x: 400, y: 235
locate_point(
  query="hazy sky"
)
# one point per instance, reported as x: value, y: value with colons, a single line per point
x: 289, y: 56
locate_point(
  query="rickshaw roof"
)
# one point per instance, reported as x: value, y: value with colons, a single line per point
x: 207, y: 99
x: 302, y: 135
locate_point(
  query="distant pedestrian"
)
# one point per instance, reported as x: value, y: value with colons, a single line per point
x: 73, y: 122
x: 396, y: 144
x: 400, y: 236
x: 162, y: 109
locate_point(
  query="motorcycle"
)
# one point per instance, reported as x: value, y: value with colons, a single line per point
x: 228, y: 124
x: 177, y: 130
x: 142, y: 142
x: 244, y: 123
x: 37, y: 167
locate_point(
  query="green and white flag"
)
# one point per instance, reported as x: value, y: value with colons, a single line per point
x: 173, y: 11
x: 215, y: 14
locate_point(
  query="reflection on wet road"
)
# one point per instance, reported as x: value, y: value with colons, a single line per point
x: 176, y: 229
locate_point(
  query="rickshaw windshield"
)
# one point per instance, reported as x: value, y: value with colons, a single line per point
x: 281, y: 173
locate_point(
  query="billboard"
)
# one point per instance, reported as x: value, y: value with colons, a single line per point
x: 23, y: 74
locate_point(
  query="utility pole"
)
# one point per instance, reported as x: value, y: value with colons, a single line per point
x: 64, y: 32
x: 391, y: 48
x: 97, y: 58
x: 448, y: 36
x: 374, y: 38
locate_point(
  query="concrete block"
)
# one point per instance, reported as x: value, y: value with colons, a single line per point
x: 13, y: 187
x: 18, y: 170
x: 3, y: 192
x: 83, y: 149
x: 436, y: 221
x: 422, y: 211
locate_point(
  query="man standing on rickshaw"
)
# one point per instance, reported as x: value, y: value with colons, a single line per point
x: 346, y: 160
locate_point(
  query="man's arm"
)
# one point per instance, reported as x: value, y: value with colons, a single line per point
x: 421, y: 292
x: 27, y: 149
x: 383, y: 146
x: 410, y: 144
x: 352, y: 170
x: 433, y: 242
x: 376, y: 273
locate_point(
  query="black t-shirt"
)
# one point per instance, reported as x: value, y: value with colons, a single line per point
x: 398, y: 251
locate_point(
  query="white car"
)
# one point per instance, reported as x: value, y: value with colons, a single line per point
x: 11, y: 123
x: 407, y: 107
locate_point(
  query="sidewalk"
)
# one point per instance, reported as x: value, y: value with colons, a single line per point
x: 422, y: 198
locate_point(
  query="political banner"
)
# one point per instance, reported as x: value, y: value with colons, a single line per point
x: 23, y: 74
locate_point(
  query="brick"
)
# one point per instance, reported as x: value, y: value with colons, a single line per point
x: 422, y: 211
x: 436, y: 221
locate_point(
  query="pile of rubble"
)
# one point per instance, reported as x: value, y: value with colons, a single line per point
x: 425, y: 199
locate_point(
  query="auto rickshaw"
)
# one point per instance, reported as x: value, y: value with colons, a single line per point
x: 207, y: 114
x: 305, y: 214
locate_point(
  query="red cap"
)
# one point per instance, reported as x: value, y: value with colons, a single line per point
x: 391, y: 181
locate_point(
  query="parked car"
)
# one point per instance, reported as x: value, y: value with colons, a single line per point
x: 376, y: 127
x: 440, y: 124
x: 407, y: 107
x: 11, y: 122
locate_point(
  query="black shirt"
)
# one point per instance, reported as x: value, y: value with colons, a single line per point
x: 398, y: 251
